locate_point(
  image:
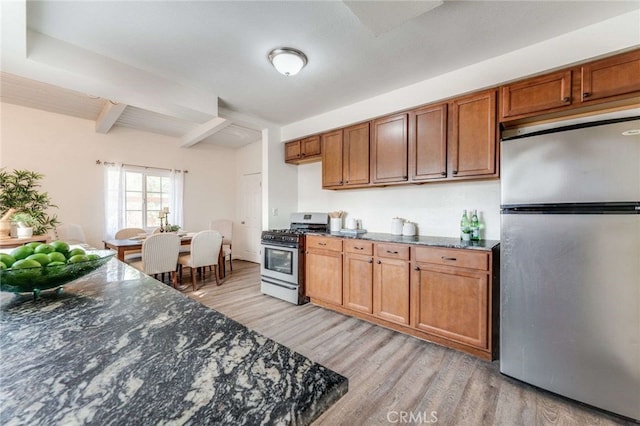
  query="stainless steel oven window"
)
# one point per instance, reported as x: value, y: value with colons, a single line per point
x: 280, y: 262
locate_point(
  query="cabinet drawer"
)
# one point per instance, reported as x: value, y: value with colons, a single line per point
x: 452, y: 257
x: 393, y: 251
x: 323, y: 243
x: 358, y: 247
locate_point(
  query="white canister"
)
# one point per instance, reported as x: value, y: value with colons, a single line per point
x: 352, y: 223
x: 335, y: 224
x: 409, y: 229
x: 396, y: 226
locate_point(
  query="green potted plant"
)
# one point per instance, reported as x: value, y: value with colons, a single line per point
x: 19, y: 190
x: 24, y: 224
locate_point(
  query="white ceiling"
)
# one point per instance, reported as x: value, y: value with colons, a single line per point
x: 173, y: 63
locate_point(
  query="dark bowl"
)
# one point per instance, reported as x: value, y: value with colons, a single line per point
x: 46, y: 277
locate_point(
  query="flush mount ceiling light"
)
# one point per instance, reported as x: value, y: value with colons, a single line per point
x: 287, y: 60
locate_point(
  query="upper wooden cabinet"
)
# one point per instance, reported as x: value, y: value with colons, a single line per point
x: 428, y: 143
x: 389, y: 149
x: 345, y: 157
x: 473, y: 140
x: 572, y: 90
x: 611, y: 77
x: 303, y: 151
x: 536, y: 95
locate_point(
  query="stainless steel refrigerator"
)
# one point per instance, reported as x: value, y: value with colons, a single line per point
x: 570, y: 260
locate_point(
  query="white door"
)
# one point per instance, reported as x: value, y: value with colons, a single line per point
x: 250, y: 210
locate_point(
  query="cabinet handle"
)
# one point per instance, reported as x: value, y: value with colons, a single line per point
x: 586, y: 94
x: 567, y: 99
x: 322, y: 244
x: 443, y: 173
x: 340, y: 183
x: 370, y: 260
x: 392, y: 252
x: 405, y: 177
x: 449, y: 258
x: 347, y: 182
x: 416, y: 268
x: 379, y: 262
x: 455, y: 172
x: 359, y: 248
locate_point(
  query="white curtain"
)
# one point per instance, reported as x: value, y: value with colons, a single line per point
x: 175, y: 203
x: 113, y: 199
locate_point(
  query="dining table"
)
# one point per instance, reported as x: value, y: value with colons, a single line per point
x: 121, y: 247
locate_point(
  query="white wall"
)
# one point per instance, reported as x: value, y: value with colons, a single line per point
x: 65, y: 150
x: 436, y: 207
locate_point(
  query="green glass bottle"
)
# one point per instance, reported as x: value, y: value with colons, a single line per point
x: 475, y: 226
x: 465, y: 227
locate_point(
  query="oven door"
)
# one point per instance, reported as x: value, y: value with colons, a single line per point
x: 280, y: 262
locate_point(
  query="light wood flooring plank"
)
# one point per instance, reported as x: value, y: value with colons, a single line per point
x: 391, y: 374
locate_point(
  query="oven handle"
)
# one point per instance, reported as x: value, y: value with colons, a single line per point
x: 279, y: 284
x: 277, y: 245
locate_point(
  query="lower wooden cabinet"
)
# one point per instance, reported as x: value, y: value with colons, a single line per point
x: 451, y: 303
x: 323, y: 269
x: 444, y: 295
x: 391, y: 290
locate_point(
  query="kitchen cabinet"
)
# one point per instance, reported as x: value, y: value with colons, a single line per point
x: 323, y: 269
x: 536, y: 95
x: 358, y: 275
x: 389, y: 149
x: 614, y: 80
x: 428, y: 143
x: 611, y: 77
x: 303, y: 151
x: 473, y: 137
x: 391, y: 283
x: 451, y: 295
x: 445, y: 295
x: 345, y: 157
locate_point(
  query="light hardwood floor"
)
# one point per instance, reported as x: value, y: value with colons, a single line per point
x: 393, y: 378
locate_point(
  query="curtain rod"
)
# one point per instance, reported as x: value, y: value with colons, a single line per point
x: 144, y: 167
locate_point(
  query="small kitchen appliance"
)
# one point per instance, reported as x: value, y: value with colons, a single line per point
x: 396, y: 226
x: 282, y: 253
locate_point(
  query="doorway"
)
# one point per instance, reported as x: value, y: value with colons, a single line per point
x: 250, y: 214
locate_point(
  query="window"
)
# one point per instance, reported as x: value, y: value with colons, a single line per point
x: 146, y: 194
x: 135, y: 195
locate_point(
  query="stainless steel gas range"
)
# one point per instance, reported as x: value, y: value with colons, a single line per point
x: 282, y: 252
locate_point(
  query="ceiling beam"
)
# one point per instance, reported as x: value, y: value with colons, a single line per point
x: 108, y: 116
x: 204, y: 131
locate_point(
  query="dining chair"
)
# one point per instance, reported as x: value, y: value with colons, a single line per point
x: 205, y: 249
x: 71, y: 233
x: 225, y: 228
x: 126, y: 233
x: 160, y: 255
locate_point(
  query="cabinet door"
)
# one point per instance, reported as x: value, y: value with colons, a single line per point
x: 323, y: 276
x: 356, y: 154
x: 451, y: 303
x: 332, y: 165
x: 536, y: 95
x: 310, y: 146
x: 389, y: 149
x: 358, y: 282
x: 292, y: 151
x: 391, y: 290
x: 472, y: 146
x: 609, y: 77
x: 428, y: 147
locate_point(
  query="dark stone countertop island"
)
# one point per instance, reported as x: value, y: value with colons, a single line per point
x: 118, y: 347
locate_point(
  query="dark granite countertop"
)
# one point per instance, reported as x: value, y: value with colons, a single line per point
x: 419, y: 240
x: 118, y: 347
